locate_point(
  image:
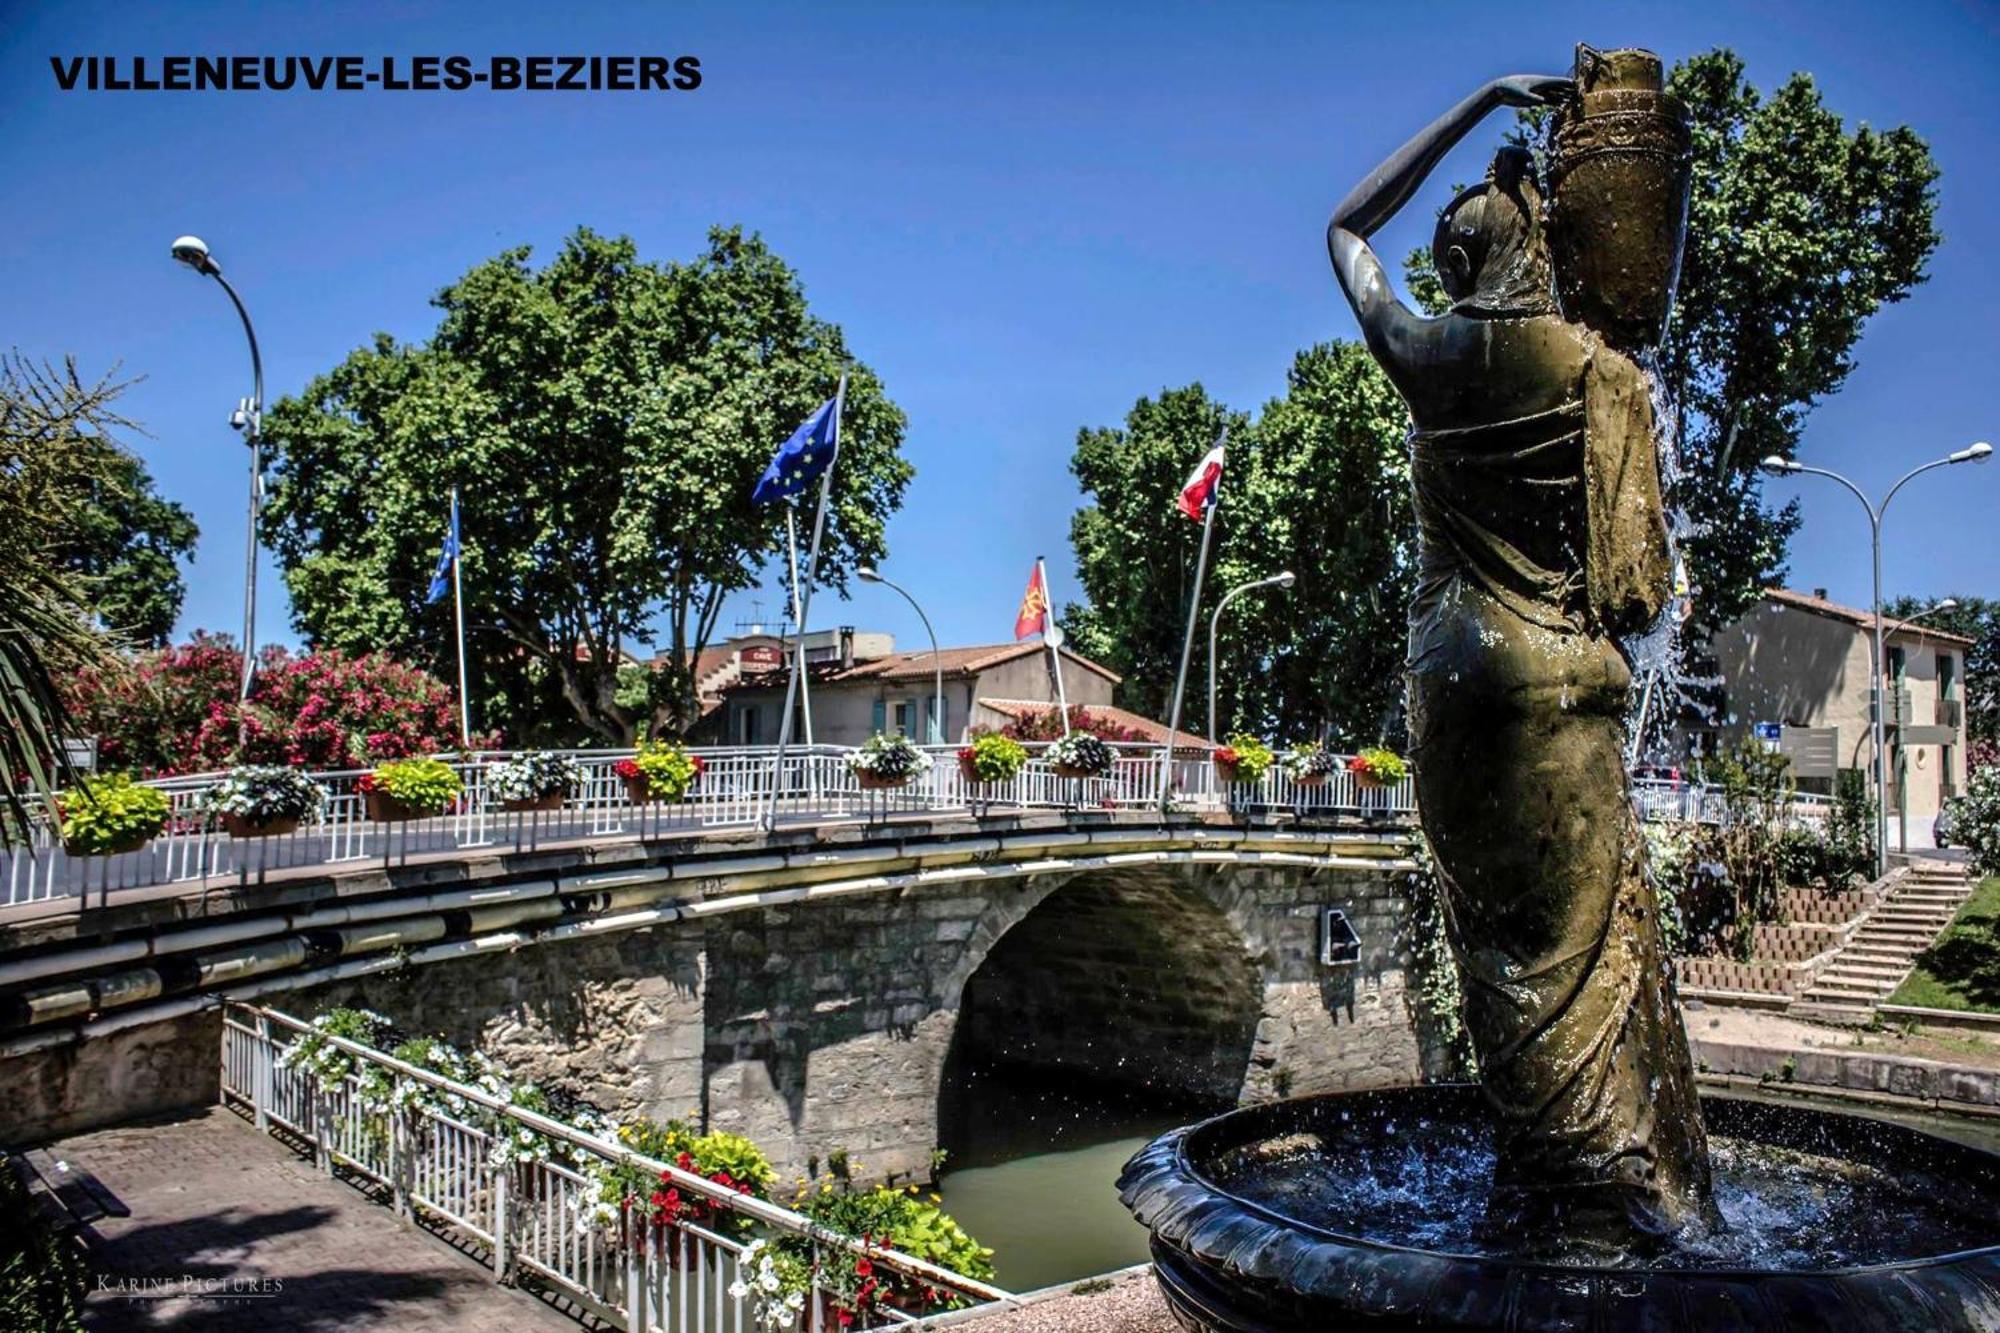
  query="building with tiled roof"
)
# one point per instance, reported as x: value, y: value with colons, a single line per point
x: 1796, y: 667
x: 856, y: 693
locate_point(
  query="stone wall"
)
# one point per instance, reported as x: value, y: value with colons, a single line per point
x: 824, y: 1026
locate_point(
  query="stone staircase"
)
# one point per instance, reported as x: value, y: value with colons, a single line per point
x: 1882, y: 949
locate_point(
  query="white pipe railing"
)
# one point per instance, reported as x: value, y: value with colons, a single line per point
x: 737, y: 788
x: 528, y: 1214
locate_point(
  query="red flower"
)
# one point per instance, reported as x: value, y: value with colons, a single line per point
x: 626, y: 768
x: 700, y: 764
x: 365, y: 783
x: 862, y: 1267
x: 1226, y: 755
x: 1357, y: 765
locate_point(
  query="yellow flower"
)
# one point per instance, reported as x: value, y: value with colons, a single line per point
x: 937, y: 1198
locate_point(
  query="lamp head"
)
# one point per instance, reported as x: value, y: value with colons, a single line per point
x: 193, y: 251
x: 1948, y: 604
x: 1778, y: 467
x: 867, y: 574
x: 1286, y: 579
x: 1975, y: 453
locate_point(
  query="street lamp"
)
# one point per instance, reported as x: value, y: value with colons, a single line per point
x: 1785, y: 467
x: 1284, y: 580
x: 868, y: 574
x: 248, y: 418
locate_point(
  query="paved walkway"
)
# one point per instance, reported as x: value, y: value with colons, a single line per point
x: 215, y: 1204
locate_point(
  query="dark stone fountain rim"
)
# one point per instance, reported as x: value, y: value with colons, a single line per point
x: 1177, y: 1141
x: 1231, y: 1265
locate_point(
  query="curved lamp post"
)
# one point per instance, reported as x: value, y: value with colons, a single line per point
x: 1785, y: 467
x: 1284, y: 580
x: 868, y: 574
x: 248, y: 418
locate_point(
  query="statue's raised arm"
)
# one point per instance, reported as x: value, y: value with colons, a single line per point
x: 1387, y: 188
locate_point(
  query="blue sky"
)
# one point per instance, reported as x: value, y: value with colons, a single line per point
x: 1024, y: 215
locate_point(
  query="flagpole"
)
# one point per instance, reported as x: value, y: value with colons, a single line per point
x: 458, y: 614
x: 798, y: 622
x: 802, y: 601
x: 1052, y: 636
x: 1187, y: 643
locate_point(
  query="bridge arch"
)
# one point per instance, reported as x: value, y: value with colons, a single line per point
x: 1123, y: 980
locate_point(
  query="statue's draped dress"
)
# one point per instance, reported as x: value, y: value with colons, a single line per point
x: 1542, y: 539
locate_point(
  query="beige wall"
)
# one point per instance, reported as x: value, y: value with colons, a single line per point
x: 1782, y: 663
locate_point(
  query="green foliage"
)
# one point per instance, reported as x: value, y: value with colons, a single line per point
x: 1319, y: 485
x: 126, y: 549
x: 1384, y: 766
x: 1798, y: 231
x: 1311, y: 760
x: 110, y: 813
x: 1978, y: 619
x: 54, y: 430
x: 43, y: 1275
x: 1976, y: 820
x: 1245, y: 758
x: 1961, y: 970
x: 1813, y: 858
x: 993, y: 757
x: 667, y: 769
x: 430, y: 785
x: 780, y: 1271
x: 1850, y: 827
x: 1438, y: 985
x: 1081, y: 752
x: 605, y: 418
x: 1047, y: 725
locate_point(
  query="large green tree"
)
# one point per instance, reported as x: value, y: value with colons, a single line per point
x: 126, y: 545
x: 605, y: 418
x: 1319, y: 485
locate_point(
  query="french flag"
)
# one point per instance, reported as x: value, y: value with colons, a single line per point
x: 1202, y: 485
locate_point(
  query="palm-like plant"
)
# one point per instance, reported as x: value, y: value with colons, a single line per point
x: 55, y: 446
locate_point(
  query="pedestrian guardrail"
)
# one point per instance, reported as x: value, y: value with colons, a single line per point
x: 532, y: 1216
x: 738, y: 787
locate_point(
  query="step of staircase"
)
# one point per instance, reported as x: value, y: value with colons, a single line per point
x: 1881, y: 952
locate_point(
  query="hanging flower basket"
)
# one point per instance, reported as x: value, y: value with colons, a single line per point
x: 409, y: 789
x: 130, y: 842
x: 1311, y: 764
x: 883, y: 762
x: 1244, y: 759
x: 658, y: 772
x: 537, y: 780
x: 1376, y: 768
x: 991, y: 758
x: 1080, y: 755
x: 109, y: 814
x: 243, y: 826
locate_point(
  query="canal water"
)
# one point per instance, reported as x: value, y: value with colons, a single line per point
x: 1033, y: 1173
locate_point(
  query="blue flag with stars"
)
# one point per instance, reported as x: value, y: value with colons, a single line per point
x: 800, y: 460
x: 441, y: 576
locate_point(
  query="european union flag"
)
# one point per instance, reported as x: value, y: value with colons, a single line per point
x: 801, y: 459
x: 441, y: 576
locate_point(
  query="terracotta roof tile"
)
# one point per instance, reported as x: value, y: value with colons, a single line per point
x: 1856, y: 616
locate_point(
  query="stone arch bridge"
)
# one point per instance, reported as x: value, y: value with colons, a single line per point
x: 813, y: 989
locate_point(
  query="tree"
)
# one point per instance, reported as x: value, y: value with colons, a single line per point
x: 1319, y: 485
x: 53, y: 431
x: 125, y: 548
x: 1135, y: 555
x: 1978, y: 619
x: 605, y: 419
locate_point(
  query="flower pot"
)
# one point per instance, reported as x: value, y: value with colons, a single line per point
x: 876, y: 782
x: 1069, y: 771
x: 1367, y: 781
x: 528, y: 804
x: 639, y: 791
x: 383, y: 808
x: 130, y: 843
x: 1225, y: 770
x: 244, y: 826
x: 1309, y: 780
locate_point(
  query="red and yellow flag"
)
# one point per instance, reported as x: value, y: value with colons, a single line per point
x: 1033, y: 617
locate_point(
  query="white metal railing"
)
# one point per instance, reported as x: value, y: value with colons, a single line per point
x: 1700, y: 803
x: 738, y: 787
x: 528, y: 1214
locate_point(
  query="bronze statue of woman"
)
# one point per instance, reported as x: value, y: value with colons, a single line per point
x: 1543, y: 544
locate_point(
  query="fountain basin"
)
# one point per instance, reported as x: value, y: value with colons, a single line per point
x: 1364, y: 1210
